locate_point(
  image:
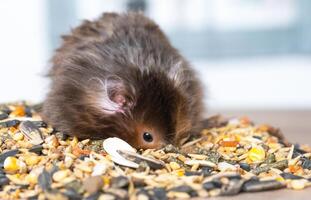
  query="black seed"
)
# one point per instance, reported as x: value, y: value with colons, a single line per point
x: 3, y: 116
x: 120, y: 182
x: 23, y: 186
x: 138, y: 183
x: 40, y: 124
x: 193, y: 173
x: 61, y: 136
x: 245, y: 166
x: 295, y: 154
x: 54, y: 169
x: 77, y: 186
x: 217, y: 183
x: 82, y: 157
x: 9, y: 123
x: 257, y: 137
x: 143, y: 192
x: 297, y: 150
x: 36, y: 149
x: 306, y: 163
x: 159, y: 194
x: 72, y: 194
x: 233, y: 187
x: 33, y: 197
x: 209, y: 185
x: 13, y: 122
x: 118, y: 193
x: 290, y: 176
x: 234, y: 177
x: 45, y: 180
x: 28, y: 111
x: 3, y: 180
x: 256, y: 186
x: 4, y: 155
x: 206, y: 171
x: 186, y: 189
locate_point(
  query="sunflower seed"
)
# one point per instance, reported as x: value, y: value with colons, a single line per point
x: 9, y: 123
x: 256, y: 186
x: 45, y: 180
x: 31, y: 132
x: 290, y: 176
x: 152, y: 163
x: 120, y: 182
x: 3, y: 116
x: 185, y: 189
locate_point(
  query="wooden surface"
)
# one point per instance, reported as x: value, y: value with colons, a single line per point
x: 296, y: 126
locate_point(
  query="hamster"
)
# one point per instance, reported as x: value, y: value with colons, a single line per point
x: 119, y: 76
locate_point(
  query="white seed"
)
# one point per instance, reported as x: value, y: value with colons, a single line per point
x: 84, y: 167
x: 298, y: 184
x: 224, y: 166
x: 112, y: 145
x: 200, y: 162
x: 68, y: 161
x: 60, y: 175
x: 99, y: 169
x: 197, y: 156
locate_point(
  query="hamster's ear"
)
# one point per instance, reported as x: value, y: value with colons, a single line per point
x: 177, y: 73
x: 116, y: 96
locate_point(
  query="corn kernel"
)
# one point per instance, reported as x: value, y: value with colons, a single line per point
x: 180, y: 172
x: 280, y: 179
x: 11, y: 164
x: 257, y: 154
x: 106, y: 180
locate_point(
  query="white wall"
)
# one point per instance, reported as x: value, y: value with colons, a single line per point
x: 23, y: 46
x: 257, y: 83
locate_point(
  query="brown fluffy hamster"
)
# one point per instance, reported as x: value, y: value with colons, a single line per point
x: 119, y: 76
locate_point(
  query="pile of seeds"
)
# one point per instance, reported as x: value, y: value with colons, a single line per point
x: 231, y: 156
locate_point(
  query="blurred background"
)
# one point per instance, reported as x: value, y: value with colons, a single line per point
x: 250, y: 54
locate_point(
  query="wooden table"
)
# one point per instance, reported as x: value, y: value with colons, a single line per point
x: 296, y: 126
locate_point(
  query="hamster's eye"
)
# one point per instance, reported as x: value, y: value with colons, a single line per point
x: 147, y: 137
